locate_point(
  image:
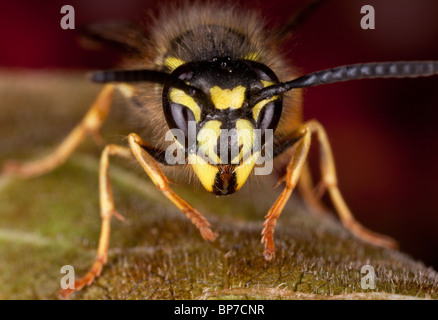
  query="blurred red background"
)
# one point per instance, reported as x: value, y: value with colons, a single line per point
x: 383, y: 132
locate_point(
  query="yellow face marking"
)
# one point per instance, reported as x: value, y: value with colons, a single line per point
x: 258, y: 107
x: 266, y: 83
x: 172, y: 63
x: 224, y: 99
x: 242, y: 172
x: 205, y: 171
x: 179, y: 96
x: 245, y: 132
x: 207, y: 139
x: 253, y: 56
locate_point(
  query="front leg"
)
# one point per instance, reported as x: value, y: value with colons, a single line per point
x: 293, y: 172
x: 107, y: 210
x: 329, y: 182
x: 150, y: 165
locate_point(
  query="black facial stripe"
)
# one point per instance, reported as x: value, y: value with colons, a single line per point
x: 225, y: 181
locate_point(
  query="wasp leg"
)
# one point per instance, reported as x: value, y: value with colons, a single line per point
x: 151, y: 166
x: 293, y: 171
x: 162, y: 183
x: 107, y: 210
x: 90, y: 124
x: 295, y: 168
x: 330, y: 183
x: 307, y: 191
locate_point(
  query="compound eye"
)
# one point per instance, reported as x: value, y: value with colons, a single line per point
x: 266, y: 117
x: 267, y: 114
x: 179, y: 106
x: 179, y: 117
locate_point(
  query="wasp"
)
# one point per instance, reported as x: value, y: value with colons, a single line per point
x: 215, y: 73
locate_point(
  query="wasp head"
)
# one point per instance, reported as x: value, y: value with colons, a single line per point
x: 223, y: 133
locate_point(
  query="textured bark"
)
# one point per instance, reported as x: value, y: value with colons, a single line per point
x: 53, y: 220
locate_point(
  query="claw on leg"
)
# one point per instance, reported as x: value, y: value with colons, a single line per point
x: 107, y: 210
x: 296, y: 168
x: 107, y: 203
x: 355, y: 227
x: 100, y: 261
x: 88, y: 279
x: 162, y: 183
x: 291, y: 178
x: 329, y: 182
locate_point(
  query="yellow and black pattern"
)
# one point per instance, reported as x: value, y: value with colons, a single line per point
x: 225, y: 121
x: 227, y: 53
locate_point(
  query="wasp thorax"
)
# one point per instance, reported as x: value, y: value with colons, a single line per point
x: 222, y: 133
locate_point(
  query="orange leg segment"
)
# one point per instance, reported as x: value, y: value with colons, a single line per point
x: 297, y: 168
x: 108, y: 209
